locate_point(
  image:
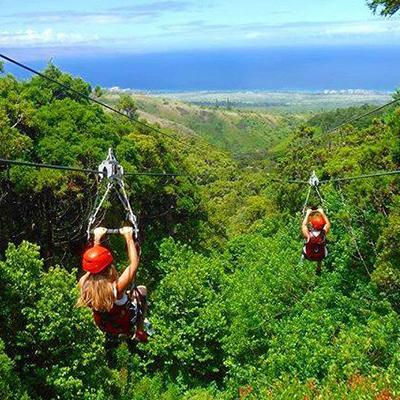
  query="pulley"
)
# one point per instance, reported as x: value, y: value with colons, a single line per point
x: 112, y: 173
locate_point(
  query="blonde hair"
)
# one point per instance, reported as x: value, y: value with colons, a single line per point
x: 97, y: 290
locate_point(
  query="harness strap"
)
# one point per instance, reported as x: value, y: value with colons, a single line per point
x: 134, y: 306
x: 306, y: 202
x: 319, y: 194
x: 92, y: 218
x: 137, y: 303
x: 314, y: 183
x: 125, y: 202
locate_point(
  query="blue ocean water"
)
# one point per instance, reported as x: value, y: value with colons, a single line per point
x: 291, y: 69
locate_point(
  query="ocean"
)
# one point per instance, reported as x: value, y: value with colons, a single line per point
x: 272, y: 69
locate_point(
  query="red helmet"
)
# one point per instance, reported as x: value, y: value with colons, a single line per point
x: 96, y: 258
x: 318, y: 222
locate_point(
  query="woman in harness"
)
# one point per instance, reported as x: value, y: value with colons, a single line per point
x: 118, y: 305
x: 314, y: 229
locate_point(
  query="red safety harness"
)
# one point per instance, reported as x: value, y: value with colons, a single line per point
x: 122, y: 319
x: 315, y: 247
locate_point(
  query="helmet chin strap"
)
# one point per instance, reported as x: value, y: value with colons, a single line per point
x: 112, y: 173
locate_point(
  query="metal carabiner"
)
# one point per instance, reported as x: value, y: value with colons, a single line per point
x: 313, y: 181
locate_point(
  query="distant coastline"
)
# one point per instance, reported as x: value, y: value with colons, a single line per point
x: 253, y: 91
x: 301, y: 70
x: 282, y: 100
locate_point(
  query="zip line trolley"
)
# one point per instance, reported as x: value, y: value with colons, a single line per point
x: 112, y: 174
x: 314, y: 184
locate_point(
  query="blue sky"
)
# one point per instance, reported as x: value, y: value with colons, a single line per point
x: 54, y: 28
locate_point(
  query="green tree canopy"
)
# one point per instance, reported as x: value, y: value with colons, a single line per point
x: 126, y: 104
x: 236, y: 312
x: 384, y: 7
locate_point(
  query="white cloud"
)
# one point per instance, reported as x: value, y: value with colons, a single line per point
x: 255, y: 35
x: 312, y: 31
x: 144, y: 12
x: 47, y: 37
x: 364, y: 28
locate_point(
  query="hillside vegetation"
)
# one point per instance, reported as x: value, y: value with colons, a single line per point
x: 236, y: 314
x: 288, y: 101
x: 235, y: 130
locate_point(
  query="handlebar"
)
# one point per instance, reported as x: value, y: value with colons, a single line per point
x: 113, y: 231
x: 110, y: 231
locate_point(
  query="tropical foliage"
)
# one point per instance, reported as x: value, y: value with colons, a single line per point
x: 236, y: 312
x: 385, y: 7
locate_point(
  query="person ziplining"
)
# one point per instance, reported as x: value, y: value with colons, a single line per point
x: 118, y: 304
x: 314, y: 228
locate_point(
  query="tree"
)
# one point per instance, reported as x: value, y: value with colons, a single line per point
x: 59, y: 349
x: 187, y: 314
x: 127, y: 104
x: 249, y: 320
x: 40, y: 122
x: 1, y: 67
x: 10, y: 385
x: 44, y: 91
x: 385, y: 8
x: 396, y: 95
x: 98, y: 91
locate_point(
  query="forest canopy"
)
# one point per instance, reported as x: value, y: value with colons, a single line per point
x: 385, y: 7
x: 235, y: 311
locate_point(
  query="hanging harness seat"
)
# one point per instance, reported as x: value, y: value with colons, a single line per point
x: 315, y: 246
x: 123, y: 318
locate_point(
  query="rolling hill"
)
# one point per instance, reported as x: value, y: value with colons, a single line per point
x: 235, y: 130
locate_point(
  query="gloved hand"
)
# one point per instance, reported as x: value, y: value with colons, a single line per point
x: 126, y: 232
x: 99, y: 232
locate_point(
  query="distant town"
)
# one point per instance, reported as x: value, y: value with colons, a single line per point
x: 284, y: 100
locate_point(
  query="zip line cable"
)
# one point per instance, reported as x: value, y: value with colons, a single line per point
x: 87, y: 97
x: 344, y: 179
x: 300, y: 182
x: 351, y: 231
x: 161, y: 174
x: 352, y: 178
x: 355, y: 119
x: 48, y: 166
x: 85, y: 170
x: 164, y: 134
